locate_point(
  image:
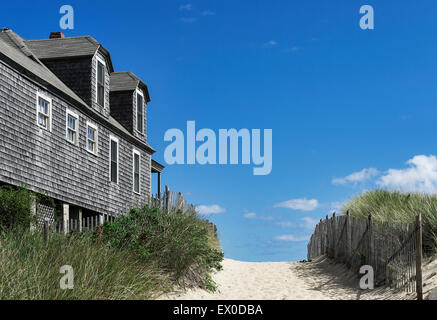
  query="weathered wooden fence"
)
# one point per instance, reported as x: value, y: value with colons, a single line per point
x: 46, y: 214
x: 170, y: 200
x: 393, y: 250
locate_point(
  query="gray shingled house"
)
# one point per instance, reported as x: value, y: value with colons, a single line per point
x: 71, y: 127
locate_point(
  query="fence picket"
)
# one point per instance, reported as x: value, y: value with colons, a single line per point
x: 393, y: 250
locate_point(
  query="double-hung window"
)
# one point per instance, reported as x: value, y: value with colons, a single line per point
x: 136, y: 170
x: 100, y: 82
x: 113, y: 159
x: 44, y: 111
x: 140, y: 111
x: 91, y: 138
x: 72, y: 127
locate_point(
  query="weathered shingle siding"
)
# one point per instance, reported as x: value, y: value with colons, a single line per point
x: 121, y: 108
x: 46, y: 161
x: 104, y: 110
x: 75, y: 73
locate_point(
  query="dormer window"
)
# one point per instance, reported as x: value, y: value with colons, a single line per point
x: 140, y: 111
x: 100, y: 82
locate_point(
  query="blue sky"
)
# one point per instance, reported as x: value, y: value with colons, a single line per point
x: 348, y: 107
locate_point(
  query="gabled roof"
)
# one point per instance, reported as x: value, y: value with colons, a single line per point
x: 20, y: 55
x: 61, y: 48
x: 127, y: 81
x: 16, y: 52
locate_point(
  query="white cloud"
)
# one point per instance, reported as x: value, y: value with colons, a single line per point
x: 360, y: 176
x: 188, y: 20
x: 212, y: 209
x: 336, y: 206
x: 250, y: 215
x: 286, y: 224
x: 309, y: 223
x: 421, y: 176
x: 253, y: 215
x: 186, y: 7
x: 207, y: 13
x: 291, y: 237
x: 299, y: 204
x: 270, y: 43
x: 292, y: 49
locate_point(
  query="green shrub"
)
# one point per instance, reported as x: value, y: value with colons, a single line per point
x: 29, y: 269
x: 398, y: 207
x: 15, y: 208
x: 177, y: 241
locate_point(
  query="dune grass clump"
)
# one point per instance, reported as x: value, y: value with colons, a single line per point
x: 140, y: 255
x: 398, y: 207
x: 30, y: 269
x: 179, y: 242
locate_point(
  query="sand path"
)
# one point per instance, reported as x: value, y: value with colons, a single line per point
x: 318, y: 280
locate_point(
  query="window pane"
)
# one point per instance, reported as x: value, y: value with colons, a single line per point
x: 136, y: 164
x: 114, y: 151
x: 72, y: 122
x: 91, y: 133
x: 140, y: 113
x: 114, y: 172
x: 100, y: 94
x: 43, y: 106
x: 137, y: 183
x: 100, y: 73
x: 71, y: 135
x: 114, y: 161
x: 42, y: 120
x: 100, y: 83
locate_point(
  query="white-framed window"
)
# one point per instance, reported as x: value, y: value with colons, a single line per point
x: 136, y: 166
x: 140, y: 111
x: 100, y: 81
x: 92, y: 138
x: 113, y: 158
x: 44, y: 111
x: 72, y: 131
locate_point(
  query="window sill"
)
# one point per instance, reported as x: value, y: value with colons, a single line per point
x: 96, y: 154
x: 140, y: 133
x: 72, y: 143
x: 43, y: 128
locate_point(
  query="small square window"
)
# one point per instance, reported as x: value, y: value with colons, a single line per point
x: 91, y: 138
x: 44, y: 111
x: 72, y: 125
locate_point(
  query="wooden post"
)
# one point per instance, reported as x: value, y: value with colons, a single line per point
x: 46, y: 231
x: 334, y: 235
x: 79, y: 216
x: 419, y: 284
x: 322, y: 238
x: 369, y: 259
x: 167, y: 198
x: 33, y: 215
x: 348, y: 237
x: 159, y: 185
x: 327, y: 244
x: 65, y: 216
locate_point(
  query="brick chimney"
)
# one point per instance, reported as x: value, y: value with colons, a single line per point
x: 56, y: 35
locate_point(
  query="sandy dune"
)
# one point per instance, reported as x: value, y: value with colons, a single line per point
x: 318, y: 280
